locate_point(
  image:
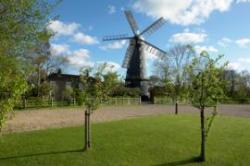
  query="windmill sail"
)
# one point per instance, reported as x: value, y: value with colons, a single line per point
x: 153, y: 49
x: 134, y: 60
x: 131, y: 21
x: 153, y: 27
x: 116, y: 37
x: 129, y: 53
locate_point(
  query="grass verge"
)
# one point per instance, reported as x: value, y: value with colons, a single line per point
x: 158, y: 140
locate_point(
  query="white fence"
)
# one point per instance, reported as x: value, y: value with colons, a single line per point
x: 121, y: 101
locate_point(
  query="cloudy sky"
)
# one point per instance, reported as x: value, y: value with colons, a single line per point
x: 218, y: 26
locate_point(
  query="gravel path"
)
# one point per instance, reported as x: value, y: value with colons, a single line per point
x: 62, y: 117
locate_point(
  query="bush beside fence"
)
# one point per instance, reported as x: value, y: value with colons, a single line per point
x: 46, y: 102
x: 236, y: 101
x: 121, y: 101
x: 169, y: 101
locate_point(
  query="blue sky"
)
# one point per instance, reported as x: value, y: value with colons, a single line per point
x: 218, y: 26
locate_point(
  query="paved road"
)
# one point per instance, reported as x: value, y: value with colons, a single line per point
x: 62, y: 117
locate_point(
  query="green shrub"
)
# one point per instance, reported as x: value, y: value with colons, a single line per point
x: 79, y: 97
x: 68, y: 94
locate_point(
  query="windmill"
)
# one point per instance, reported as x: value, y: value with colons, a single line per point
x: 134, y: 60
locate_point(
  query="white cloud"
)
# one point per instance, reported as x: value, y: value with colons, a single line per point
x: 80, y: 58
x: 244, y: 60
x: 114, y: 45
x: 59, y: 49
x: 240, y: 64
x: 111, y: 9
x: 224, y: 42
x: 187, y: 37
x: 110, y: 66
x: 242, y: 1
x: 77, y: 58
x: 184, y: 12
x: 63, y: 29
x: 82, y: 38
x: 210, y: 49
x: 72, y: 31
x: 244, y: 42
x: 233, y: 66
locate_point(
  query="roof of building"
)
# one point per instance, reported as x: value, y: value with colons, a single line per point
x: 63, y: 77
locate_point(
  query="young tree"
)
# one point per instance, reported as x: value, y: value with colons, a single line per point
x: 97, y: 85
x: 172, y: 68
x: 206, y: 89
x: 92, y: 86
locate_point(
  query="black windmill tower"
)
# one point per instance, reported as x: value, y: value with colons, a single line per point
x: 135, y: 58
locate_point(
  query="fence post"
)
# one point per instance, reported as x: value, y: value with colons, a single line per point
x: 24, y: 103
x: 51, y: 101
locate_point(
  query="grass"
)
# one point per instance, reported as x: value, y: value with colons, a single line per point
x: 158, y: 140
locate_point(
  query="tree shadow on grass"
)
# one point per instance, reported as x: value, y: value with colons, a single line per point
x: 182, y: 162
x: 42, y: 154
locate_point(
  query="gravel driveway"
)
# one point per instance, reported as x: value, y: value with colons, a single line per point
x: 62, y: 117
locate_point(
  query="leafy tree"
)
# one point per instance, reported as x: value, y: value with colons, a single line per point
x: 43, y: 62
x: 79, y: 96
x: 237, y: 86
x: 45, y: 89
x: 22, y: 26
x: 10, y: 91
x: 229, y: 77
x: 172, y: 70
x: 205, y: 89
x: 97, y: 85
x: 123, y: 91
x: 182, y: 56
x: 68, y: 94
x: 110, y: 82
x: 243, y: 85
x: 92, y: 90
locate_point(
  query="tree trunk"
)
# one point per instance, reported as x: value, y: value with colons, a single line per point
x: 51, y: 102
x: 89, y: 131
x: 203, y: 135
x: 24, y: 103
x: 86, y: 131
x: 38, y: 81
x: 176, y: 107
x: 87, y: 142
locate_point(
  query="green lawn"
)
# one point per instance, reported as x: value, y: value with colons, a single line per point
x: 157, y: 140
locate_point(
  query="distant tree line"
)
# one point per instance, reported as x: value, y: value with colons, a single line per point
x: 171, y: 77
